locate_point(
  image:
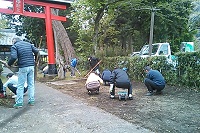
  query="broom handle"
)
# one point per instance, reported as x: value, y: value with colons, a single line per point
x: 93, y: 68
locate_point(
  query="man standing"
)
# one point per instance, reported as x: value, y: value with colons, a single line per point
x: 120, y: 79
x: 23, y: 51
x: 73, y: 66
x: 154, y: 81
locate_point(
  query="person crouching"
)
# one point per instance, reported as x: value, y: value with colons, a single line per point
x: 93, y: 83
x: 119, y: 78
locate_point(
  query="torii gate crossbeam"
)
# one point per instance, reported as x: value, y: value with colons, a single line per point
x: 18, y: 9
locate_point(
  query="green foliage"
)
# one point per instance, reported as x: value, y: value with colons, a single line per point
x: 125, y: 24
x: 1, y: 68
x: 186, y: 73
x: 188, y: 69
x: 3, y: 25
x: 194, y: 20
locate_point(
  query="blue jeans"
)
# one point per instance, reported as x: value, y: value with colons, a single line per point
x: 25, y: 74
x: 14, y: 89
x: 73, y: 71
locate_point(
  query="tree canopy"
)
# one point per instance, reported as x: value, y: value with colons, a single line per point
x: 117, y: 27
x: 124, y: 25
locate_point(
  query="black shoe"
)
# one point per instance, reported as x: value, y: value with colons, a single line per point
x: 97, y: 92
x: 89, y: 92
x: 130, y: 98
x: 149, y: 94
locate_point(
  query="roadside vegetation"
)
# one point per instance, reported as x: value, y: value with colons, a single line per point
x: 113, y: 29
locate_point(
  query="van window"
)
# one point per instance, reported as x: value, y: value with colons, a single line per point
x: 163, y: 49
x: 145, y: 50
x: 154, y: 49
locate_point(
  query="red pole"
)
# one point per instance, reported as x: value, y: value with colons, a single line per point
x: 50, y: 42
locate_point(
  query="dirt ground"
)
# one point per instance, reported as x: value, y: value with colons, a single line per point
x: 176, y: 110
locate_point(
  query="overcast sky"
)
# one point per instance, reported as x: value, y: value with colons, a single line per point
x: 4, y: 4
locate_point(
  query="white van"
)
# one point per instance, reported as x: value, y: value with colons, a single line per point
x: 158, y: 49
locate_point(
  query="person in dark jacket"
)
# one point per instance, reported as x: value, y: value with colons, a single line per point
x: 154, y: 81
x: 106, y: 76
x: 120, y: 79
x: 24, y: 52
x: 93, y: 62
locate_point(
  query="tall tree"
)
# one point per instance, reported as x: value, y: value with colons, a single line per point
x: 195, y: 22
x: 195, y: 16
x: 65, y: 52
x: 132, y: 22
x: 91, y: 12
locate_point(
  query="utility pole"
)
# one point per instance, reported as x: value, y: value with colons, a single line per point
x: 151, y: 30
x: 153, y: 10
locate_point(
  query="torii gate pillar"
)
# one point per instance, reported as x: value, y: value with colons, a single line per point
x: 18, y: 8
x: 50, y: 42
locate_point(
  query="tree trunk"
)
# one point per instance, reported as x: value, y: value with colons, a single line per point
x: 59, y: 58
x: 64, y: 50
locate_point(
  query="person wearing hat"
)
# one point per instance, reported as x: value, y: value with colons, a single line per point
x: 119, y: 78
x: 153, y: 81
x: 93, y: 61
x: 11, y: 83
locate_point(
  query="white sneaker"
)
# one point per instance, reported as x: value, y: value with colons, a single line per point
x: 130, y: 95
x: 111, y: 87
x: 14, y: 96
x: 112, y: 96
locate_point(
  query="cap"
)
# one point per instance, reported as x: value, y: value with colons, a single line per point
x: 147, y: 68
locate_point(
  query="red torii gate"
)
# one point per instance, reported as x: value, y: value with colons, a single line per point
x: 18, y: 9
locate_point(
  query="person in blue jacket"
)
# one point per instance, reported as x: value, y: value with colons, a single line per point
x: 154, y: 81
x: 73, y: 66
x: 106, y: 76
x: 24, y: 53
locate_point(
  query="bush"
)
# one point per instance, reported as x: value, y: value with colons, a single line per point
x: 185, y: 73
